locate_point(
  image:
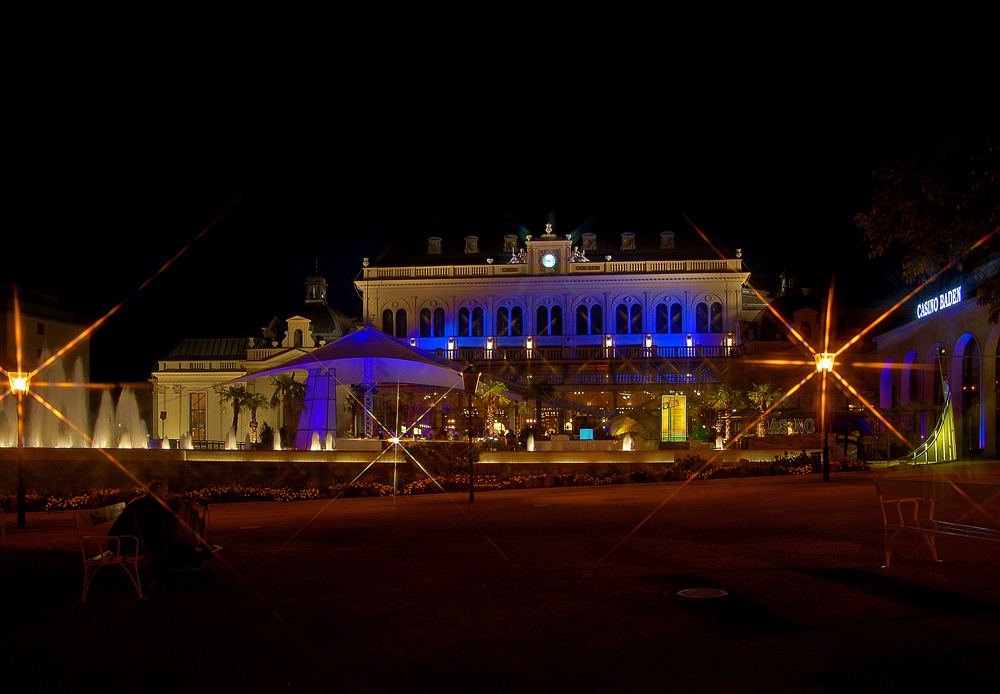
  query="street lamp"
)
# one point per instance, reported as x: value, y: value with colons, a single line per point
x: 824, y: 365
x: 20, y: 382
x: 470, y: 379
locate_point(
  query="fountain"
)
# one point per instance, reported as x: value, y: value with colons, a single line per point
x: 105, y: 426
x: 277, y: 441
x: 187, y: 442
x: 8, y: 422
x: 130, y: 421
x: 231, y: 440
x: 627, y: 442
x: 76, y: 408
x: 530, y: 443
x: 328, y: 444
x: 314, y: 445
x: 164, y: 444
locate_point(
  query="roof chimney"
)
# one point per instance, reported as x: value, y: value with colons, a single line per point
x: 472, y: 244
x: 589, y: 240
x: 667, y: 239
x: 510, y: 243
x: 434, y: 245
x: 628, y: 240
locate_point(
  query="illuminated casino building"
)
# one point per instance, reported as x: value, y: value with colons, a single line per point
x: 610, y: 321
x: 944, y: 332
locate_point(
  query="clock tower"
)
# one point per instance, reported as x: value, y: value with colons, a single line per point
x: 548, y: 254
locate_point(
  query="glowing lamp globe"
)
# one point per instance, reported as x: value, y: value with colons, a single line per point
x: 824, y: 361
x: 19, y: 382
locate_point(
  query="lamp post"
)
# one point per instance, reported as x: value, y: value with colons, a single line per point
x: 824, y: 364
x: 19, y: 384
x: 470, y: 378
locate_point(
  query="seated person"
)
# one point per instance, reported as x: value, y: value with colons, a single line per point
x: 169, y: 532
x: 148, y: 518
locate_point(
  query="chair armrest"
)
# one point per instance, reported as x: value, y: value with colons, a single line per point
x: 115, y: 544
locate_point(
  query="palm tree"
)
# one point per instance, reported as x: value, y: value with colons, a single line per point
x: 254, y: 402
x: 763, y: 395
x: 725, y: 398
x: 292, y: 396
x: 492, y: 394
x: 539, y: 390
x: 236, y: 397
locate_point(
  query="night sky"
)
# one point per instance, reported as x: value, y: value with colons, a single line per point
x: 100, y: 204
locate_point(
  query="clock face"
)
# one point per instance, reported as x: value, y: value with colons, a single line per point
x: 549, y: 260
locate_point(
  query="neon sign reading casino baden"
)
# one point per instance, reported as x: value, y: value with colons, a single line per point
x: 938, y: 303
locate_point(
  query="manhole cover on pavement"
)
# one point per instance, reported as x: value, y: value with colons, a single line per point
x: 702, y: 593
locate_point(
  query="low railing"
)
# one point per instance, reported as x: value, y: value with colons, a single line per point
x: 201, y: 366
x: 208, y: 445
x: 262, y: 353
x: 618, y: 379
x: 585, y: 353
x: 502, y: 269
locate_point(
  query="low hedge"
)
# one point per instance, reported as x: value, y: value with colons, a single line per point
x: 450, y: 475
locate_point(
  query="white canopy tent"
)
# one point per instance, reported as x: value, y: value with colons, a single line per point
x: 366, y: 357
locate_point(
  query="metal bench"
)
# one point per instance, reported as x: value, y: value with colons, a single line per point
x: 916, y: 506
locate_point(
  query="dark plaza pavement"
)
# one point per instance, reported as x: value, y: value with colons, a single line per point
x: 518, y: 592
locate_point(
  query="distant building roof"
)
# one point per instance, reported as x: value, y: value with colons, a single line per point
x: 646, y: 246
x: 325, y: 322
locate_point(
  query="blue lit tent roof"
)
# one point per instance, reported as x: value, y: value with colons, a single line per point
x: 392, y: 361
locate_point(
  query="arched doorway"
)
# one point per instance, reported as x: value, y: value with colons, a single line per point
x: 967, y: 391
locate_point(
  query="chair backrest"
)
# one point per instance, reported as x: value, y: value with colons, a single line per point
x: 939, y: 491
x: 91, y: 518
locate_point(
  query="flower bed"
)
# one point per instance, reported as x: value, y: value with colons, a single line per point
x: 449, y: 474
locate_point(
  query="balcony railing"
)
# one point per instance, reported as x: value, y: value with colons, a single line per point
x: 619, y: 378
x: 503, y: 269
x: 476, y: 354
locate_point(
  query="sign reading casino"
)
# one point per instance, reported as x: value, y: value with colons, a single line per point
x: 939, y: 303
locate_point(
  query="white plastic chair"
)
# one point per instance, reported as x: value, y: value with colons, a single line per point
x: 98, y: 550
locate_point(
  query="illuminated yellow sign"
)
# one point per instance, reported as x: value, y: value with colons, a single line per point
x: 673, y: 418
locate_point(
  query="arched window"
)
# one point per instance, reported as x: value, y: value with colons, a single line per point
x: 596, y: 320
x: 555, y: 321
x: 477, y: 322
x: 676, y: 318
x: 297, y: 338
x: 701, y: 318
x: 662, y: 318
x: 516, y: 321
x: 888, y: 396
x: 425, y: 322
x: 621, y: 319
x: 716, y: 315
x: 401, y: 322
x: 542, y: 320
x: 463, y: 322
x: 582, y: 320
x: 439, y: 322
x: 635, y: 319
x: 628, y: 319
x: 387, y: 322
x: 503, y: 321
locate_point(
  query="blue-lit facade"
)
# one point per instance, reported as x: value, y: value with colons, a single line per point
x: 595, y: 320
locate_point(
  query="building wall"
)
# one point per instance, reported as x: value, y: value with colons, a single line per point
x: 569, y: 293
x: 911, y: 367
